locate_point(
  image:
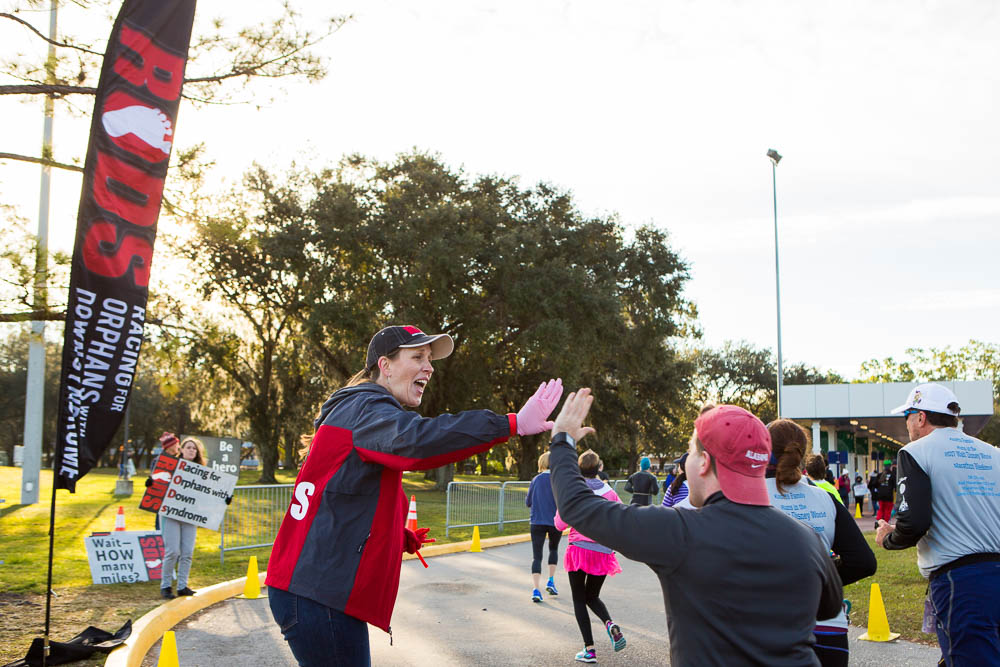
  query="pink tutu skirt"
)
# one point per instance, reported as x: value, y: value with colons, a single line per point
x: 591, y: 562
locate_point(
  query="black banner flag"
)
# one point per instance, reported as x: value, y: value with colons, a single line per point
x: 131, y: 135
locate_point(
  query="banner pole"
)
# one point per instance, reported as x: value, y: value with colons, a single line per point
x: 48, y: 584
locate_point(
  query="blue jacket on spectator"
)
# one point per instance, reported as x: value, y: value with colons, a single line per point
x: 540, y: 500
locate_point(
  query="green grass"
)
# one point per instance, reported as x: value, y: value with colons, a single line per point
x: 903, y: 590
x: 24, y: 548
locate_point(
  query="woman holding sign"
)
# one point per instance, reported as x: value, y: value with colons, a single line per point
x: 335, y: 563
x: 178, y: 536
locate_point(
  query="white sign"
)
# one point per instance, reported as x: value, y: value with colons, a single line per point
x: 220, y: 453
x: 860, y: 490
x: 124, y: 556
x: 188, y: 492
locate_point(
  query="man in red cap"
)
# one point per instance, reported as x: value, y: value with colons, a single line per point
x: 727, y: 602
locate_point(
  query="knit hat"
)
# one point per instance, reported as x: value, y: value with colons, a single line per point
x: 168, y: 439
x: 644, y: 463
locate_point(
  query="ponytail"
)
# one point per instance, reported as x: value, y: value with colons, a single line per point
x: 362, y: 376
x: 788, y: 446
x: 679, y: 479
x: 369, y: 374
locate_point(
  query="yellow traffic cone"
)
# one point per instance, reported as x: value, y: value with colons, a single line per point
x: 476, y: 546
x: 168, y: 651
x: 878, y: 623
x: 251, y: 589
x: 857, y: 510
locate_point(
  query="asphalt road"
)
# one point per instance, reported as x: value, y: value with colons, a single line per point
x: 475, y: 609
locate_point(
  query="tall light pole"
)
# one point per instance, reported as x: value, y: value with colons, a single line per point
x: 34, y: 397
x: 775, y: 159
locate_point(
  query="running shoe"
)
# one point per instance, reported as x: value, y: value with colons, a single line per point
x: 586, y: 655
x: 617, y: 638
x: 551, y: 587
x: 536, y: 595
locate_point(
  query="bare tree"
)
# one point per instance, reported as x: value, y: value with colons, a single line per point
x: 222, y: 61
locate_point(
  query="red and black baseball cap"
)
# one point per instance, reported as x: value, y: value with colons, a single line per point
x: 390, y: 339
x: 741, y: 445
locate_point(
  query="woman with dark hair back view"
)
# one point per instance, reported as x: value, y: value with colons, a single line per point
x: 815, y: 507
x: 589, y: 564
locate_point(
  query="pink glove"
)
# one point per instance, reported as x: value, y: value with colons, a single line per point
x: 531, y: 419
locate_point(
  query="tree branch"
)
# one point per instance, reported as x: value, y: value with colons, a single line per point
x: 40, y: 160
x: 47, y: 89
x: 34, y: 316
x: 54, y: 43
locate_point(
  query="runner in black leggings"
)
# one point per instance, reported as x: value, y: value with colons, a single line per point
x: 588, y: 564
x: 543, y: 512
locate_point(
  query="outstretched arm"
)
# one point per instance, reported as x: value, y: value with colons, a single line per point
x: 624, y: 528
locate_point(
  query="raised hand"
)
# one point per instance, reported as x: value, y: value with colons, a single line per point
x: 531, y: 418
x: 574, y: 411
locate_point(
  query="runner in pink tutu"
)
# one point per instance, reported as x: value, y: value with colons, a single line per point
x: 588, y: 564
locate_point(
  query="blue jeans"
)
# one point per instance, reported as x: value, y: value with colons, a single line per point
x: 317, y: 634
x: 967, y: 605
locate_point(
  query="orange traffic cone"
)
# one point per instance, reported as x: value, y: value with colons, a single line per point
x: 120, y: 519
x: 411, y: 517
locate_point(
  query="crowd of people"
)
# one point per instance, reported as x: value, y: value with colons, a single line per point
x: 741, y: 488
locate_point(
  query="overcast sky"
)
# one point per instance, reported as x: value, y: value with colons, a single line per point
x: 662, y: 112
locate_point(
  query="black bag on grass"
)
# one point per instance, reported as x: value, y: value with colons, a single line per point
x: 85, y: 644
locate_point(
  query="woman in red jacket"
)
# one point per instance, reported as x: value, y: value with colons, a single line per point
x: 335, y: 563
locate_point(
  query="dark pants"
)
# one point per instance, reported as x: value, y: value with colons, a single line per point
x: 538, y: 534
x: 317, y: 634
x: 832, y: 649
x: 967, y: 605
x: 586, y: 590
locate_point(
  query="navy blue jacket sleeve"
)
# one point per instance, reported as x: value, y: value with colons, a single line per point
x: 403, y: 440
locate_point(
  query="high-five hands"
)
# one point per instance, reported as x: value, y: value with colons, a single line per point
x: 574, y: 411
x: 531, y: 419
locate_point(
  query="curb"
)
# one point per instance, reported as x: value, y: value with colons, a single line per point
x: 150, y: 628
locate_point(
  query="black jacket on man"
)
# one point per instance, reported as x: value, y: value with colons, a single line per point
x: 742, y: 584
x: 643, y: 487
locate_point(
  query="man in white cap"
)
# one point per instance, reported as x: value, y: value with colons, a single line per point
x: 949, y: 507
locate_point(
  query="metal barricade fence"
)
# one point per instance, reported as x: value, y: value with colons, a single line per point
x: 512, y: 507
x: 619, y: 486
x: 253, y: 518
x: 470, y: 504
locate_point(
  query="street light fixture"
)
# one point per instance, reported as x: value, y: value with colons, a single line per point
x: 775, y: 159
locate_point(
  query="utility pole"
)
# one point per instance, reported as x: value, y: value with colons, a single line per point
x: 775, y: 158
x: 34, y: 400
